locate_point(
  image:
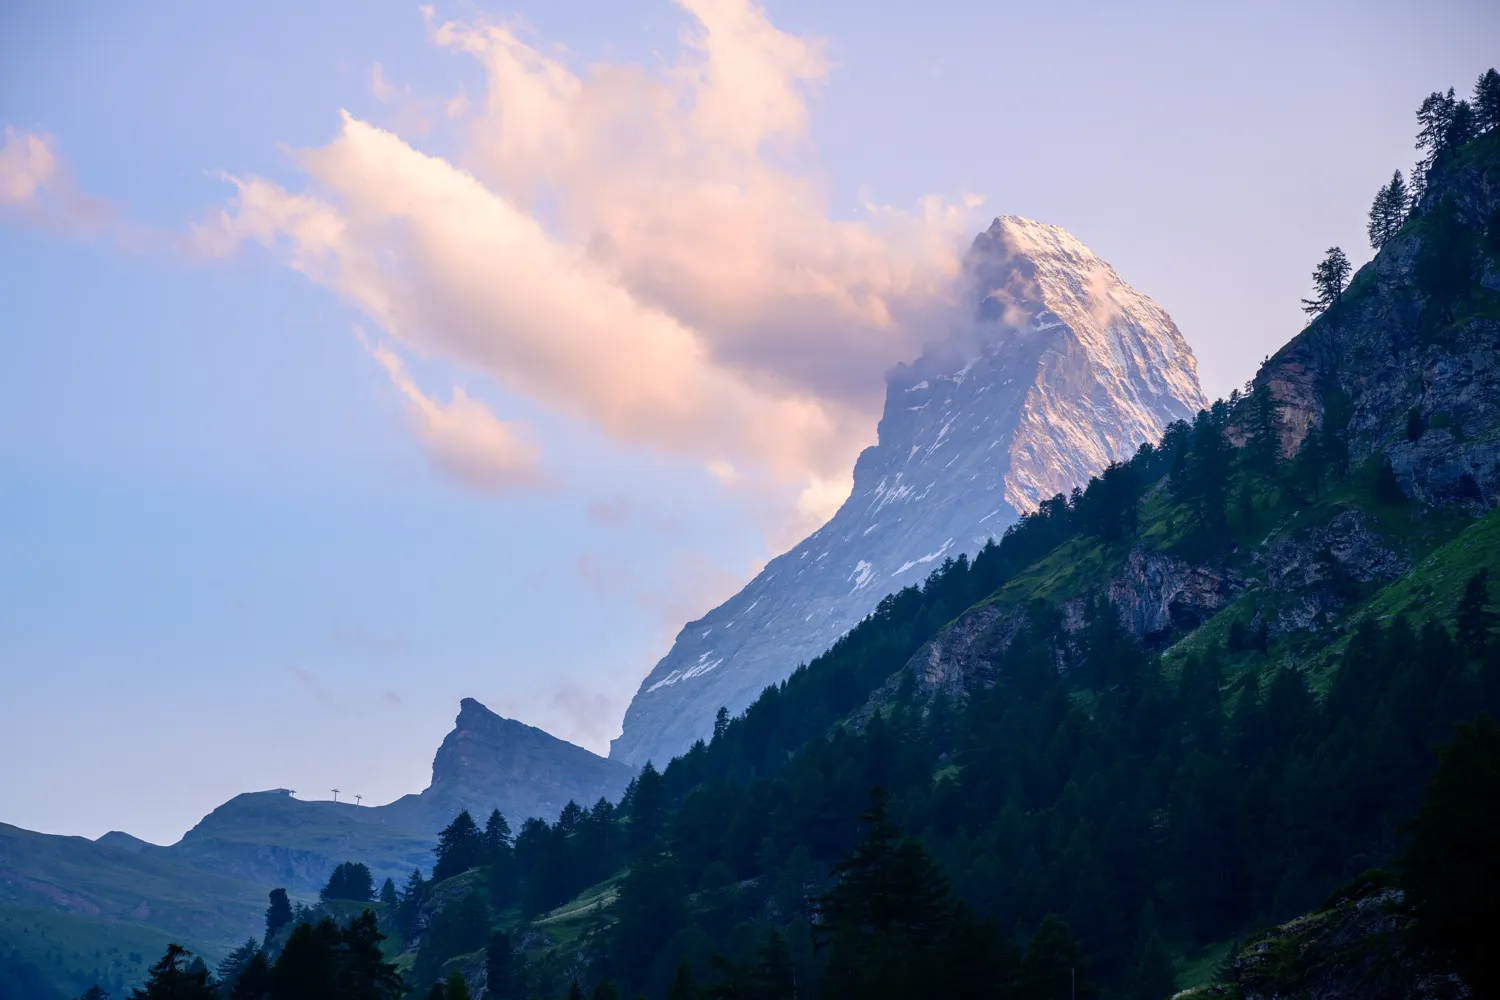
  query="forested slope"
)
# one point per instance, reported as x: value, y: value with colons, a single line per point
x: 1187, y: 702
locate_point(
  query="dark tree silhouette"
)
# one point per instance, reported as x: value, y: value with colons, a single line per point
x: 1452, y: 862
x: 173, y: 977
x: 351, y: 881
x: 278, y: 914
x: 1388, y: 212
x: 1486, y: 100
x: 460, y: 847
x: 1329, y: 278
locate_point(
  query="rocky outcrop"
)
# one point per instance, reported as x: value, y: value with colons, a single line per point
x: 1152, y: 593
x: 491, y: 762
x: 1315, y: 574
x: 1062, y: 369
x: 1156, y: 593
x: 1358, y: 948
x: 1387, y: 355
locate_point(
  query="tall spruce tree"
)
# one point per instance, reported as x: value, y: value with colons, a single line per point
x: 460, y: 847
x: 175, y: 977
x: 1388, y: 211
x: 254, y: 980
x: 497, y: 841
x: 278, y: 914
x: 1329, y: 278
x: 351, y: 881
x: 1486, y: 100
x: 1434, y: 117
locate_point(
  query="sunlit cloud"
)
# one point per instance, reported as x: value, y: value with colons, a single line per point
x: 463, y: 439
x: 37, y: 189
x: 649, y: 253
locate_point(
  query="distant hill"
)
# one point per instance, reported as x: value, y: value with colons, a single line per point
x: 64, y: 899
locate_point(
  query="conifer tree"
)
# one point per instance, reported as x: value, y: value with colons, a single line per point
x: 721, y: 721
x: 1486, y: 101
x: 174, y: 977
x: 364, y: 974
x: 457, y: 987
x: 1329, y: 278
x: 1265, y: 421
x: 1388, y: 212
x: 308, y: 967
x: 388, y: 892
x: 1054, y: 965
x: 503, y: 976
x: 278, y: 914
x: 1452, y: 860
x: 350, y: 881
x: 1433, y: 119
x: 254, y: 980
x: 497, y: 842
x: 460, y: 847
x: 1463, y: 126
x: 228, y: 972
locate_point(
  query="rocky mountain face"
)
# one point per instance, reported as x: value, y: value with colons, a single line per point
x: 1360, y: 946
x: 1423, y: 396
x: 1379, y: 350
x: 491, y: 762
x: 1063, y: 369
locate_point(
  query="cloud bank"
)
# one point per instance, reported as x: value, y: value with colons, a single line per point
x: 637, y: 250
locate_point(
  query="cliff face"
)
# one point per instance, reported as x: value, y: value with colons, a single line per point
x: 1063, y: 369
x: 1420, y: 394
x: 490, y: 762
x: 1357, y: 948
x: 1379, y: 347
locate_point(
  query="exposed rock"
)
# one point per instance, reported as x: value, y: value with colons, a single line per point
x: 1359, y: 948
x: 491, y: 762
x: 1156, y: 593
x: 1310, y: 574
x: 1152, y: 593
x: 1064, y: 369
x: 1377, y: 349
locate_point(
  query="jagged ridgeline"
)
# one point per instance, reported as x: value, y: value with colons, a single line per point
x: 1119, y: 748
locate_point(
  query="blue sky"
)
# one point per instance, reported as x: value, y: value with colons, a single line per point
x: 271, y: 502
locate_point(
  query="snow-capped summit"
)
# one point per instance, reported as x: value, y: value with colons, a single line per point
x: 1065, y: 369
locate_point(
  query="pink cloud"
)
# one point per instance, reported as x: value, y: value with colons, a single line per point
x: 688, y: 290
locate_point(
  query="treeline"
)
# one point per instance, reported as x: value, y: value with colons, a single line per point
x: 1448, y: 269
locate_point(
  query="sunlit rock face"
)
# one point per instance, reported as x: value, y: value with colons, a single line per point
x: 1062, y: 369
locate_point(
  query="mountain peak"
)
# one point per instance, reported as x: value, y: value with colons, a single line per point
x: 490, y: 762
x: 1063, y: 369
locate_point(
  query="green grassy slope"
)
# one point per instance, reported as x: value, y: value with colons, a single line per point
x: 94, y: 887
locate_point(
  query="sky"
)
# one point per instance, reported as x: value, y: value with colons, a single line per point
x: 360, y: 356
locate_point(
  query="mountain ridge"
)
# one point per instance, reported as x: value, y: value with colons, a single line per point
x: 1062, y: 368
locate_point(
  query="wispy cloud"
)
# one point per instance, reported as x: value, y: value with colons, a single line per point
x: 37, y: 189
x: 463, y: 439
x: 647, y: 252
